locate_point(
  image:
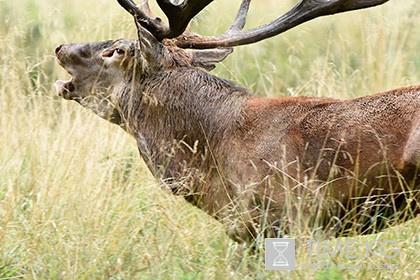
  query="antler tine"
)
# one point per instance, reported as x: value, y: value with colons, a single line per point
x: 144, y: 17
x: 144, y: 6
x: 180, y: 15
x: 304, y: 11
x: 240, y: 19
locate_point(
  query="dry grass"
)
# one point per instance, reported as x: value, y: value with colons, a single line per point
x: 77, y: 203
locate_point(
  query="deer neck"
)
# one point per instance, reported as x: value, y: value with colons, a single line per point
x: 180, y: 118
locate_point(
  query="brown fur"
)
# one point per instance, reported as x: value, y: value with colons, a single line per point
x: 247, y: 160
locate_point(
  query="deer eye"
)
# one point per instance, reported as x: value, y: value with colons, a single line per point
x: 119, y: 51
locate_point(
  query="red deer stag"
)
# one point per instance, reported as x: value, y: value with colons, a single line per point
x: 261, y: 166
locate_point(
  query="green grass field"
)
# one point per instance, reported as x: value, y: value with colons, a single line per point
x: 77, y: 202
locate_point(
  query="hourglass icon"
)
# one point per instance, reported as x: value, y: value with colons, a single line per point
x: 280, y: 254
x: 280, y: 248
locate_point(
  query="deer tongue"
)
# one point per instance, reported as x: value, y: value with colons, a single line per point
x: 64, y: 88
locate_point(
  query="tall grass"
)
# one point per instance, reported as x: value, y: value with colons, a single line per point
x: 76, y: 202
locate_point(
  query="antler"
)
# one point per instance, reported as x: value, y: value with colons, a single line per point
x: 304, y: 11
x: 210, y: 50
x: 180, y: 15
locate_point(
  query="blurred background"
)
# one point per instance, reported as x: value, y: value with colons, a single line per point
x: 76, y: 200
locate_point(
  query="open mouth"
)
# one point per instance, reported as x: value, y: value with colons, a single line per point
x: 65, y: 88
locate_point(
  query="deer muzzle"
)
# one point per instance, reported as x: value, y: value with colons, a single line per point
x: 64, y: 88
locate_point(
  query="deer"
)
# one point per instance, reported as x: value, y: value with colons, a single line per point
x: 261, y: 166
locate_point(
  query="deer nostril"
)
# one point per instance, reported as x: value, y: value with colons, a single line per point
x: 57, y: 49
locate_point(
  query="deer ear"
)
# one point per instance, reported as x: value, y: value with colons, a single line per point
x: 146, y: 39
x: 207, y: 59
x: 149, y: 47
